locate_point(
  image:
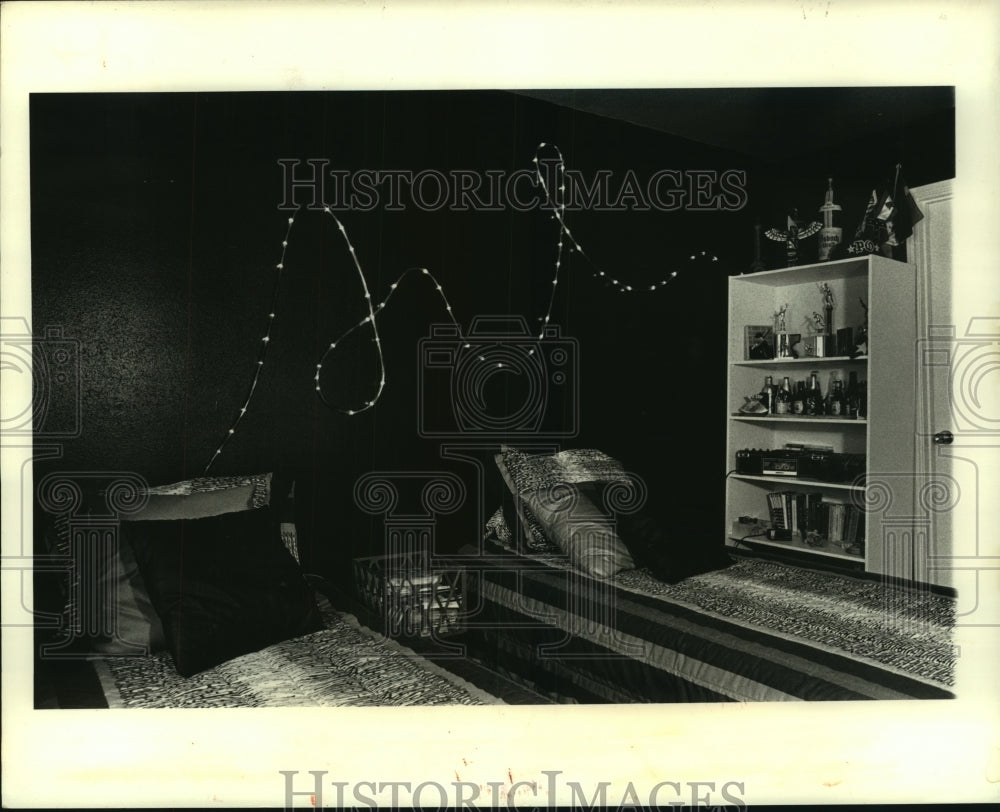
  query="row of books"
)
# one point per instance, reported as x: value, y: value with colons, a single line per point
x: 817, y: 520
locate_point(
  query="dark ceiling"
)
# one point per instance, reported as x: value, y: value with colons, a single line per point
x: 770, y: 124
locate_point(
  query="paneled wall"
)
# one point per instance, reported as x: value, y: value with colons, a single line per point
x: 156, y: 231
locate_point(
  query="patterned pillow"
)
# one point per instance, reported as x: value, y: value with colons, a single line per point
x: 531, y: 481
x: 529, y: 472
x: 528, y: 535
x: 498, y: 531
x: 584, y: 532
x: 258, y: 487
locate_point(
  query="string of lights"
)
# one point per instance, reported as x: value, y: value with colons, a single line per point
x: 262, y: 347
x: 556, y: 200
x: 558, y: 206
x: 371, y: 319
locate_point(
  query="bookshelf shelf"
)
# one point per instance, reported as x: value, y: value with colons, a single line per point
x: 875, y: 288
x: 799, y: 482
x: 781, y: 362
x: 800, y: 546
x: 798, y: 418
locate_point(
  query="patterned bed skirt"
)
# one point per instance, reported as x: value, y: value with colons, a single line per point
x: 755, y: 631
x: 345, y: 664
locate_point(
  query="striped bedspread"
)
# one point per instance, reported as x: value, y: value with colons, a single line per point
x: 756, y: 631
x: 345, y: 664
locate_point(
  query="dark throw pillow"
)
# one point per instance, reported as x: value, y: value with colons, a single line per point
x: 670, y: 555
x: 222, y: 585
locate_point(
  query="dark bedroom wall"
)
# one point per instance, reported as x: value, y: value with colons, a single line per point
x: 155, y: 234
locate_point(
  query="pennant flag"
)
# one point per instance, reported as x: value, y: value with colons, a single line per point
x: 904, y: 213
x: 889, y: 218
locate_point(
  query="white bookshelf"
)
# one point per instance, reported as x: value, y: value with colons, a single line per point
x: 885, y: 436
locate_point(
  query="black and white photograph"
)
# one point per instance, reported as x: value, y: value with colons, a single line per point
x: 454, y: 407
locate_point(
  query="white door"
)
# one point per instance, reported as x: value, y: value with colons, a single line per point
x: 937, y: 491
x: 958, y: 417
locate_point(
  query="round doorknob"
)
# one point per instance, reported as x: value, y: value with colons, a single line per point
x: 943, y: 438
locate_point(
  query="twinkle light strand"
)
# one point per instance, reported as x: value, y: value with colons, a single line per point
x: 370, y: 319
x: 262, y: 347
x: 556, y: 200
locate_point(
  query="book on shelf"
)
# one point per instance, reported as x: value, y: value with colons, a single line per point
x: 814, y: 501
x: 851, y: 531
x: 835, y: 522
x: 775, y: 510
x: 809, y: 516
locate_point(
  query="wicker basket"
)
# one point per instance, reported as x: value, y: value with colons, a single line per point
x: 413, y: 599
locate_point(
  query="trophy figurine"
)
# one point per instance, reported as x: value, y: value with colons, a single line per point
x: 782, y: 349
x: 779, y: 319
x: 827, y: 294
x: 831, y: 233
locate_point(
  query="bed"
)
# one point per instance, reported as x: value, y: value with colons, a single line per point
x: 190, y: 595
x: 589, y: 609
x: 344, y: 664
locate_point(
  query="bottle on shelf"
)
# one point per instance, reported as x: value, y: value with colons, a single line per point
x: 783, y: 398
x: 852, y: 395
x: 863, y: 399
x: 766, y: 396
x: 831, y: 233
x: 835, y: 399
x: 814, y: 398
x: 799, y: 398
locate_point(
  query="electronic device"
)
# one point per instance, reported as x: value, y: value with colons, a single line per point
x: 801, y: 461
x: 780, y: 463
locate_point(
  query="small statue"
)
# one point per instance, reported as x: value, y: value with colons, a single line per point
x: 827, y: 293
x: 793, y: 233
x: 779, y: 319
